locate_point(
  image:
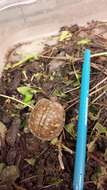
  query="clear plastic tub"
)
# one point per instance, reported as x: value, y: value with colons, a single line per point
x: 34, y: 20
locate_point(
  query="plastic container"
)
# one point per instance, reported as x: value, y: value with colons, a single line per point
x: 32, y: 20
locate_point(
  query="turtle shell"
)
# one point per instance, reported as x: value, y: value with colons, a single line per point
x: 47, y: 119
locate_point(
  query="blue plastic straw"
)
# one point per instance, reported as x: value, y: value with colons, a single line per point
x: 79, y: 168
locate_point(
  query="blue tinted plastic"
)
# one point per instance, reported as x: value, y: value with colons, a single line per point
x: 82, y: 125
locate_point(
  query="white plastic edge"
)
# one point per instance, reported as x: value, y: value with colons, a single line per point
x: 5, y: 4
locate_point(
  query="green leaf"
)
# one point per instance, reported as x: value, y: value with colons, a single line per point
x: 25, y: 59
x: 70, y: 128
x: 28, y: 97
x: 100, y: 129
x: 65, y: 35
x: 27, y: 93
x: 84, y: 41
x: 24, y: 90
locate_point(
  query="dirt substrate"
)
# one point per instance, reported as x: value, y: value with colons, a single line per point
x: 27, y: 163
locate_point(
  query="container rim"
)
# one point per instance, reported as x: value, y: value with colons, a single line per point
x: 5, y: 4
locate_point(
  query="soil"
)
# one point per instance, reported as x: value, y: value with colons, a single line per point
x: 27, y: 163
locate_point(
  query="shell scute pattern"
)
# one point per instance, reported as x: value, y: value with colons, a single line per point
x: 47, y: 119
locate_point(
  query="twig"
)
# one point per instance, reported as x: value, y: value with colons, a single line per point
x: 98, y: 160
x: 95, y: 91
x: 67, y: 149
x: 60, y: 157
x: 99, y: 54
x: 99, y: 68
x: 71, y: 90
x: 20, y: 63
x: 75, y: 59
x: 105, y: 122
x: 28, y: 179
x: 98, y: 97
x: 73, y: 104
x: 76, y: 75
x: 76, y: 100
x: 104, y: 105
x: 102, y: 81
x: 47, y: 186
x: 73, y: 100
x: 14, y: 99
x: 41, y: 153
x: 89, y: 182
x: 17, y: 187
x: 57, y: 58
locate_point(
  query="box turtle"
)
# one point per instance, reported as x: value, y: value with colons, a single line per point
x: 47, y: 119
